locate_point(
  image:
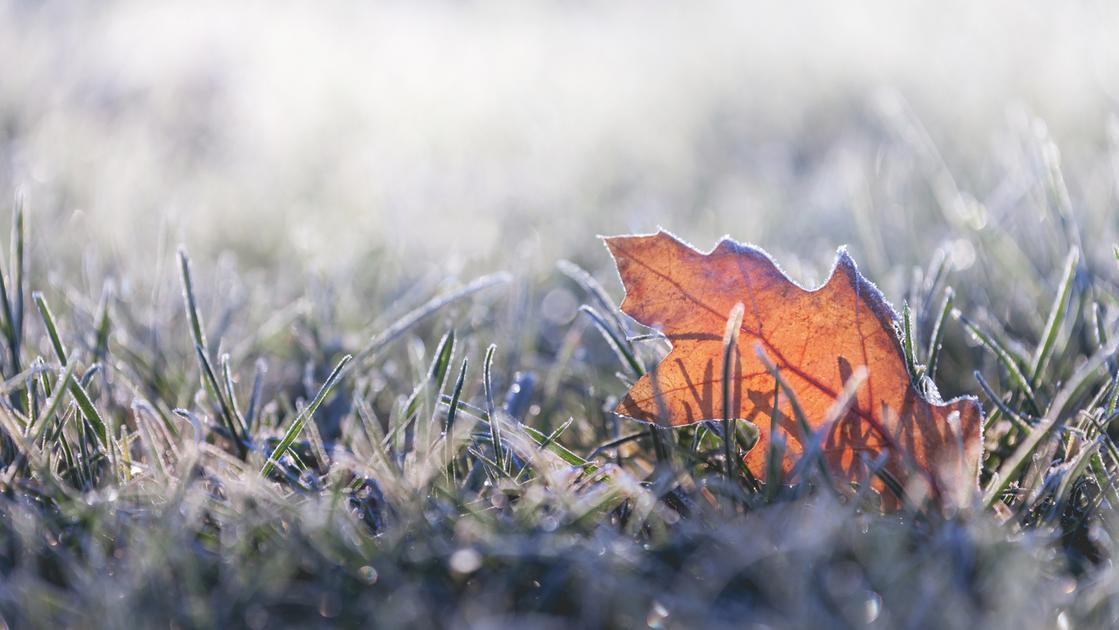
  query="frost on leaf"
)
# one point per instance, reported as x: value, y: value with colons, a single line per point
x: 817, y: 340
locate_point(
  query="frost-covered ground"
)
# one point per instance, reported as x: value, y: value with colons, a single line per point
x: 332, y: 168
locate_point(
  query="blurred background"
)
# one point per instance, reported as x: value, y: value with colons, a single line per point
x: 373, y: 146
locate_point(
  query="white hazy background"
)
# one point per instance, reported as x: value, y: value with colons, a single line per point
x: 453, y: 136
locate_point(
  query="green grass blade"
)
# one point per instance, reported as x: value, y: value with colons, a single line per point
x: 197, y: 331
x: 104, y: 325
x: 442, y: 365
x: 54, y: 403
x: 213, y: 389
x: 907, y: 341
x: 85, y: 404
x: 254, y: 397
x: 452, y: 409
x: 730, y: 355
x: 798, y: 412
x: 52, y: 329
x: 425, y: 310
x: 1004, y: 358
x: 432, y: 382
x: 775, y: 457
x: 19, y: 279
x: 491, y: 409
x: 620, y: 348
x: 297, y: 425
x: 1013, y: 466
x: 936, y: 339
x: 1056, y: 316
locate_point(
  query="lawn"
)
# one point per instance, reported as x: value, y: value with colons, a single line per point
x: 306, y: 319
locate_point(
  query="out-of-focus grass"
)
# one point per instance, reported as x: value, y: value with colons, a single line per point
x: 344, y: 193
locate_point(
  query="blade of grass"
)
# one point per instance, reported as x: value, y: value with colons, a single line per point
x: 210, y: 380
x: 76, y: 389
x: 52, y: 330
x: 11, y: 303
x: 54, y: 402
x: 433, y: 379
x: 104, y: 324
x: 907, y: 341
x: 1053, y: 419
x: 623, y: 350
x: 937, y: 337
x: 593, y: 288
x: 254, y: 397
x: 196, y: 329
x: 449, y: 427
x: 537, y: 436
x: 798, y: 412
x: 730, y: 347
x: 416, y: 315
x: 297, y: 425
x: 1056, y: 316
x: 1004, y: 358
x: 775, y: 457
x: 491, y: 409
x: 19, y: 280
x: 1000, y: 405
x: 208, y: 376
x: 231, y: 395
x: 85, y: 404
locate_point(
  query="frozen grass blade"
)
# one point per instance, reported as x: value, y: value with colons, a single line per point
x: 432, y: 384
x: 730, y: 356
x: 231, y: 395
x: 623, y: 350
x: 52, y: 330
x: 798, y: 412
x: 19, y: 280
x: 444, y: 355
x: 196, y: 329
x: 90, y: 412
x: 541, y: 439
x: 425, y: 310
x: 775, y: 457
x: 907, y: 342
x: 937, y: 336
x: 213, y: 388
x: 297, y: 425
x: 15, y: 307
x: 254, y: 397
x: 491, y: 409
x: 452, y: 410
x: 76, y: 388
x: 1013, y: 466
x: 1056, y: 316
x: 593, y: 288
x: 1004, y: 358
x: 210, y: 381
x: 11, y: 302
x: 1001, y: 406
x: 54, y: 403
x: 104, y: 325
x: 1074, y: 470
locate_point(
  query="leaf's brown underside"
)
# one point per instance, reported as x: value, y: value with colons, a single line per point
x: 817, y: 339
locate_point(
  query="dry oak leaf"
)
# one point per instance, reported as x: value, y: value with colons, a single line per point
x: 817, y: 340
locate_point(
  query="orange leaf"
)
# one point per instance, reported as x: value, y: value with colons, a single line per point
x: 819, y: 341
